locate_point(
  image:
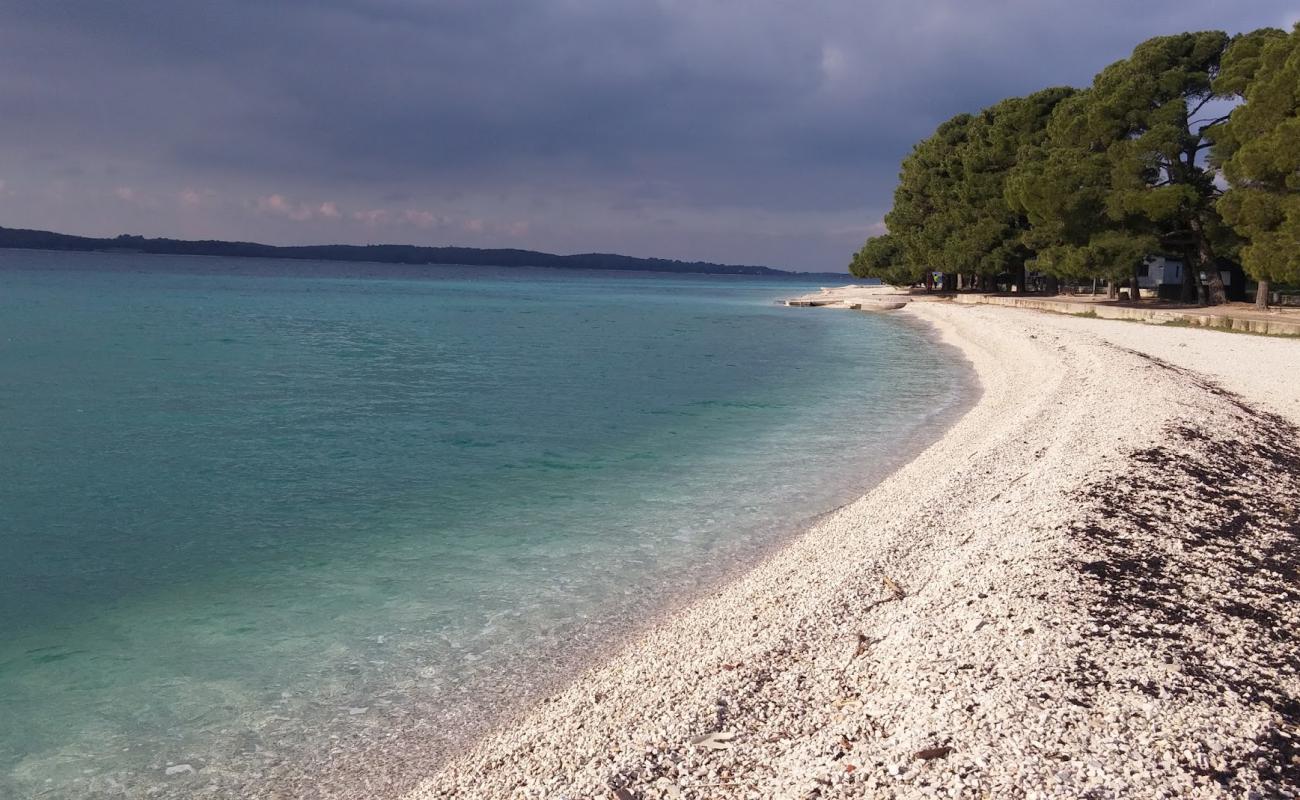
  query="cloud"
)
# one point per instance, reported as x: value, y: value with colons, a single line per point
x: 134, y: 198
x: 372, y: 217
x: 279, y: 205
x: 420, y: 219
x: 609, y: 126
x: 413, y: 217
x: 191, y: 198
x: 835, y: 62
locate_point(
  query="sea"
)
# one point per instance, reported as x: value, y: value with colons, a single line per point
x: 257, y: 515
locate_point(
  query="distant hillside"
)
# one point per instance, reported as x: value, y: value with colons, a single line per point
x: 382, y: 253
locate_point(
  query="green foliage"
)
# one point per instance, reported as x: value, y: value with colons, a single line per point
x: 1259, y: 151
x: 1240, y: 64
x: 993, y: 239
x: 1063, y: 185
x: 882, y: 257
x: 927, y: 207
x: 1120, y: 174
x: 1140, y: 113
x: 950, y: 209
x: 1087, y: 184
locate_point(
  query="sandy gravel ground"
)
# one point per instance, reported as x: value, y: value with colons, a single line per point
x: 1266, y: 370
x: 1087, y: 588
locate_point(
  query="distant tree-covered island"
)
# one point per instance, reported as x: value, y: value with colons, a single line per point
x: 383, y: 254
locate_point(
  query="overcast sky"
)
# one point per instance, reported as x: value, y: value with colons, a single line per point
x: 746, y: 131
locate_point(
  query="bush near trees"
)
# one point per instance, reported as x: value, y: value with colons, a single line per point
x: 1086, y: 184
x: 881, y: 257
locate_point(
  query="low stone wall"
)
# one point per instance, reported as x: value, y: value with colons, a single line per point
x: 1158, y: 316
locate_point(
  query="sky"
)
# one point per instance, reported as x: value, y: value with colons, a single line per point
x: 736, y: 131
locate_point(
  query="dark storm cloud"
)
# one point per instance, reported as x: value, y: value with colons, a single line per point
x: 755, y: 131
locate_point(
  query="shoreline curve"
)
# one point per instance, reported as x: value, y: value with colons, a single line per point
x: 1071, y: 593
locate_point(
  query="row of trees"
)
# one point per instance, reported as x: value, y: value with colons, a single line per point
x: 1086, y: 184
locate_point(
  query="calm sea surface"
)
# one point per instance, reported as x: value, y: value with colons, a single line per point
x: 249, y: 509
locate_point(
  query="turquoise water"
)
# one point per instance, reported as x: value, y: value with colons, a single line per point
x: 250, y: 508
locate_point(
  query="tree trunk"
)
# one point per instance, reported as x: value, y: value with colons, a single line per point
x: 1053, y: 285
x: 1094, y: 286
x: 1112, y: 290
x: 1191, y: 284
x: 1205, y: 262
x: 1020, y: 278
x: 1136, y: 290
x: 1218, y: 293
x: 1261, y: 296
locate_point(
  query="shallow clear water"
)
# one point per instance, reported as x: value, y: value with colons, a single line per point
x: 246, y: 506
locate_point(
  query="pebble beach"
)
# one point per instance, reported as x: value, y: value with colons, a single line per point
x: 1088, y: 587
